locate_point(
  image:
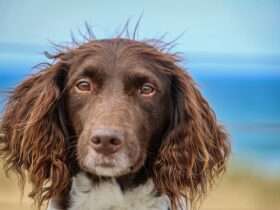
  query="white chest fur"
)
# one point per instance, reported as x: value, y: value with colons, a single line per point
x: 108, y: 196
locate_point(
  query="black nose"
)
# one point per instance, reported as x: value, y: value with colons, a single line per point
x: 106, y: 140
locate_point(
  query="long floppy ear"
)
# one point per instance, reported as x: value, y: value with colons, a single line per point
x: 34, y: 142
x: 195, y: 149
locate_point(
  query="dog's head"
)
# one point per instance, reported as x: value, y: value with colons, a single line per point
x: 118, y: 102
x: 111, y: 107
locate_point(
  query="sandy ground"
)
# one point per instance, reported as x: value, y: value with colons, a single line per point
x: 243, y: 190
x: 238, y: 190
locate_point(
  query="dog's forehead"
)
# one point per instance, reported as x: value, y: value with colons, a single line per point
x: 114, y: 56
x: 115, y: 53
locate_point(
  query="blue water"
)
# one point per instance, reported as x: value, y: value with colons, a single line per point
x: 250, y: 109
x: 246, y: 101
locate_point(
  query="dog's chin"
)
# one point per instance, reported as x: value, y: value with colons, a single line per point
x: 110, y: 171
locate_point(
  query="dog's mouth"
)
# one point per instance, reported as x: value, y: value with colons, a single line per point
x: 106, y: 165
x: 115, y: 165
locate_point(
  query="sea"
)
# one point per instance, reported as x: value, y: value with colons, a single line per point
x: 244, y: 92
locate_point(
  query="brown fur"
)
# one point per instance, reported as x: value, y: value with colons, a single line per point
x: 192, y: 153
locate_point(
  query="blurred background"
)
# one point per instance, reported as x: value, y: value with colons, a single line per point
x: 231, y: 48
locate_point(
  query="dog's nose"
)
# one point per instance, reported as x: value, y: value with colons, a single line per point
x: 107, y: 141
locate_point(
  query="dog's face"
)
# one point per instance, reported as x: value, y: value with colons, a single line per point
x: 117, y: 105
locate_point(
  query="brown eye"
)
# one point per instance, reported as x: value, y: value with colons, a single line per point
x: 83, y: 85
x: 147, y: 89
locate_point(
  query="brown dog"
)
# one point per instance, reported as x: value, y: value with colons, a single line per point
x: 113, y: 109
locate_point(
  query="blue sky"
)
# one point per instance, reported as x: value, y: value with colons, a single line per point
x: 227, y: 27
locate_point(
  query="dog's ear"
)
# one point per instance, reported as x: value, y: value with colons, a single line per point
x: 34, y: 141
x: 196, y: 147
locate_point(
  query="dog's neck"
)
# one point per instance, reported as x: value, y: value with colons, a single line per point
x: 88, y: 194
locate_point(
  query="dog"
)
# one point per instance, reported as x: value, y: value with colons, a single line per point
x: 113, y: 124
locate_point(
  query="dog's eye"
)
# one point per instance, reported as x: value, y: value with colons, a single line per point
x: 84, y: 85
x: 147, y: 89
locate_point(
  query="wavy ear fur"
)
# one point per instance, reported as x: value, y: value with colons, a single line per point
x: 195, y: 149
x: 33, y: 139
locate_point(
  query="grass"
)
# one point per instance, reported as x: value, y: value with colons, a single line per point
x: 239, y: 189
